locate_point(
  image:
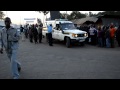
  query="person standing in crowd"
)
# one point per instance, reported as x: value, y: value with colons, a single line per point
x: 35, y: 33
x: 118, y: 35
x: 40, y: 27
x: 100, y: 37
x: 112, y: 35
x: 93, y: 35
x: 26, y: 31
x: 103, y: 36
x: 21, y: 29
x: 22, y: 32
x: 50, y: 35
x: 30, y: 32
x: 107, y: 36
x: 9, y: 39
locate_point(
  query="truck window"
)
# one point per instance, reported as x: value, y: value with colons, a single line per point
x: 67, y: 26
x: 57, y: 26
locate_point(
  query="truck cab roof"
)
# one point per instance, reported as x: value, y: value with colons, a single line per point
x: 54, y: 22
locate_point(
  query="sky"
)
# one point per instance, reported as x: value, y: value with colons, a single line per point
x: 17, y: 17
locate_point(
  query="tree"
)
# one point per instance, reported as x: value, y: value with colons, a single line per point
x: 64, y: 15
x: 90, y: 14
x: 44, y: 12
x: 53, y: 14
x: 76, y: 15
x: 1, y: 15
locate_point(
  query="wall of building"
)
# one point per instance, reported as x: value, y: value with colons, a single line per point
x: 108, y: 21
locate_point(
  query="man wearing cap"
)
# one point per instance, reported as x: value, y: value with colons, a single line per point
x: 9, y: 39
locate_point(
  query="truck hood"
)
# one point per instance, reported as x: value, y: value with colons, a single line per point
x: 75, y: 31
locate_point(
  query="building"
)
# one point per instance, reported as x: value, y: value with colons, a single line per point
x: 108, y: 19
x: 98, y: 20
x: 85, y: 21
x: 30, y: 20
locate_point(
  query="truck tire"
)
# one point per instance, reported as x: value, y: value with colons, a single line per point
x: 68, y: 42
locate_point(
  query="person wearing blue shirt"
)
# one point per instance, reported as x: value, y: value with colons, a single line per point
x: 50, y: 35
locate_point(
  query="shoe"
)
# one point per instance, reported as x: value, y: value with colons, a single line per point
x: 19, y: 69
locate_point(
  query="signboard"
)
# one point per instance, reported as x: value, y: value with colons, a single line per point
x: 29, y: 18
x: 29, y: 21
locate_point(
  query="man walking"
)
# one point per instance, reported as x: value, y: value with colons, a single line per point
x: 9, y: 39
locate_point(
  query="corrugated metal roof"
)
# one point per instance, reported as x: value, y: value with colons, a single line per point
x: 83, y: 20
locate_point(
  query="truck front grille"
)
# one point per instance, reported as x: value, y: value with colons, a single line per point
x: 80, y: 35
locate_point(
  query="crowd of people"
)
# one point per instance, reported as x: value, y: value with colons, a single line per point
x: 103, y: 36
x: 34, y: 33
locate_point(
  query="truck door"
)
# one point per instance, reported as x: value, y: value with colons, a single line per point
x: 54, y: 33
x: 60, y: 35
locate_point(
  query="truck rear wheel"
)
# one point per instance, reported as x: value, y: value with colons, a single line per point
x: 68, y: 42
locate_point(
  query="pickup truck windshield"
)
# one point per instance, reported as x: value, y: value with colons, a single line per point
x: 67, y: 26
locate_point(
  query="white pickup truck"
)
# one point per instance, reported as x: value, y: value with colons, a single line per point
x: 64, y: 30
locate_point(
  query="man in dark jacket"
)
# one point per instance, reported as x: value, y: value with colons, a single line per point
x: 40, y: 27
x: 35, y: 33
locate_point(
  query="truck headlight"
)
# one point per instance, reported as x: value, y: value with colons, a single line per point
x: 86, y: 35
x: 74, y: 35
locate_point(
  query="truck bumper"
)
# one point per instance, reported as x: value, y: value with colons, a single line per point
x: 77, y: 40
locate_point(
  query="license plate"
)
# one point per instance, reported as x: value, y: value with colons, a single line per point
x: 81, y: 37
x: 81, y: 40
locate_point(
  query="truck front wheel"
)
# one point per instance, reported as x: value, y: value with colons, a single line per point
x: 68, y: 42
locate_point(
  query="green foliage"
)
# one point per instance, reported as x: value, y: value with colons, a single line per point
x: 2, y: 15
x: 44, y: 12
x: 73, y: 15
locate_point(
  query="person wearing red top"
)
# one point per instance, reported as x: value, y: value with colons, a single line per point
x: 112, y: 35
